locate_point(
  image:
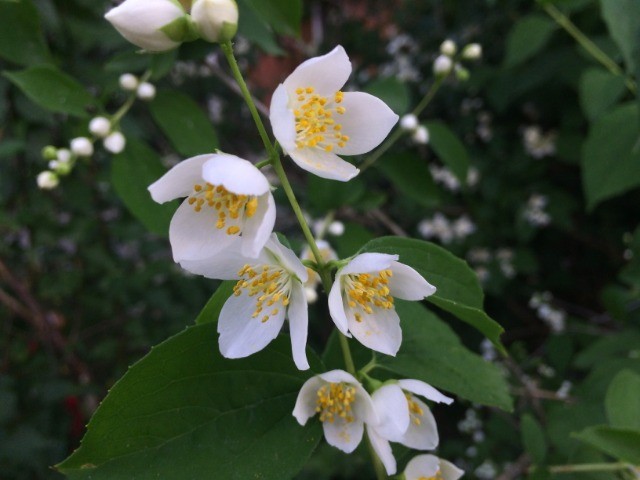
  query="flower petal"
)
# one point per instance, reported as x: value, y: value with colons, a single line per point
x: 240, y: 334
x: 383, y: 450
x: 343, y: 435
x: 323, y: 164
x: 180, y: 180
x: 336, y: 307
x: 194, y: 236
x: 425, y: 390
x: 326, y: 74
x: 258, y: 229
x: 393, y: 411
x: 369, y: 262
x: 363, y: 406
x: 305, y: 407
x: 222, y: 266
x: 422, y: 466
x: 339, y: 376
x: 235, y: 174
x: 408, y: 284
x: 285, y: 257
x: 379, y: 331
x: 283, y: 122
x: 299, y: 325
x: 367, y: 121
x: 425, y: 435
x: 450, y: 471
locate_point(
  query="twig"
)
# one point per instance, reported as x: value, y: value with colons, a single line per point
x: 383, y: 218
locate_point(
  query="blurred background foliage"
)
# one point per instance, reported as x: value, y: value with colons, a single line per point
x: 531, y: 175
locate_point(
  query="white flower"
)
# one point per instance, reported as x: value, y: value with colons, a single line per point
x: 314, y: 121
x: 47, y: 180
x: 343, y: 405
x: 82, y: 147
x: 228, y: 200
x: 448, y: 48
x: 361, y: 299
x: 442, y: 65
x: 327, y: 253
x: 217, y: 20
x: 404, y: 419
x: 146, y: 91
x: 430, y: 467
x: 128, y: 82
x: 115, y: 142
x: 141, y: 22
x: 64, y: 155
x: 473, y: 51
x: 336, y: 228
x: 409, y: 122
x: 421, y: 135
x: 100, y: 126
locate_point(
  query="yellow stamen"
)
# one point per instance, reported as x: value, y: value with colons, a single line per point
x: 334, y: 401
x: 269, y: 284
x: 313, y: 119
x: 366, y: 291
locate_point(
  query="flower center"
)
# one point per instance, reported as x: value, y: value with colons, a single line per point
x: 334, y: 400
x: 437, y: 476
x: 271, y: 284
x: 415, y: 412
x: 366, y: 291
x: 230, y: 206
x: 315, y: 123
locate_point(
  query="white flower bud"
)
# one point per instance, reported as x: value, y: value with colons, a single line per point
x: 311, y: 294
x: 82, y: 147
x: 146, y: 91
x: 421, y: 135
x: 64, y: 155
x: 145, y: 23
x: 128, y: 82
x: 473, y: 51
x: 47, y: 180
x: 442, y: 65
x: 448, y: 48
x: 409, y: 122
x: 100, y: 126
x: 115, y: 142
x: 53, y: 164
x: 336, y: 228
x: 216, y: 20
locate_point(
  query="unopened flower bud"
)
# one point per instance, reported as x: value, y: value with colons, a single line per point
x: 409, y: 122
x: 336, y: 228
x: 462, y: 73
x: 448, y: 48
x: 47, y: 180
x: 442, y: 65
x: 128, y: 82
x: 82, y: 147
x: 421, y: 135
x: 216, y: 20
x: 49, y: 152
x: 473, y: 51
x: 100, y: 126
x: 311, y: 294
x: 155, y: 25
x: 115, y: 142
x: 64, y: 155
x: 146, y: 91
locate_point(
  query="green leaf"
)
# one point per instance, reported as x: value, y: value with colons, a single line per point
x: 51, y: 89
x: 620, y: 443
x: 533, y: 439
x: 21, y: 38
x: 458, y: 290
x: 184, y: 411
x: 324, y: 195
x: 132, y: 172
x: 186, y: 125
x: 621, y: 17
x: 527, y: 37
x: 433, y: 353
x: 617, y: 345
x: 611, y: 168
x: 409, y: 173
x: 283, y: 16
x: 599, y: 91
x: 211, y: 310
x: 255, y: 29
x: 449, y: 149
x: 623, y: 400
x: 391, y: 91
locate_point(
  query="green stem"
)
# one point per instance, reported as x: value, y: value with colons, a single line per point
x: 589, y: 467
x: 263, y: 163
x: 126, y: 106
x: 595, y: 51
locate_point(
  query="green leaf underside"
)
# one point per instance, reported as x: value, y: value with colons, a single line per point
x: 256, y: 30
x: 622, y: 402
x: 458, y: 290
x: 450, y: 150
x: 599, y: 91
x: 132, y: 172
x: 528, y: 36
x: 186, y: 125
x: 53, y: 90
x: 621, y: 17
x: 186, y: 412
x: 433, y: 353
x: 621, y: 443
x: 211, y: 310
x: 21, y: 38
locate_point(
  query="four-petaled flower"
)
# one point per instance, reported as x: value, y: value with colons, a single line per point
x: 361, y: 300
x: 343, y: 405
x: 404, y: 419
x: 430, y: 467
x: 228, y: 200
x: 314, y: 121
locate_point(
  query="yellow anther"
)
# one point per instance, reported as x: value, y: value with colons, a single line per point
x: 415, y: 411
x: 437, y: 476
x: 299, y: 91
x: 309, y: 89
x: 366, y: 291
x: 269, y: 285
x: 233, y: 230
x: 313, y: 118
x: 334, y: 400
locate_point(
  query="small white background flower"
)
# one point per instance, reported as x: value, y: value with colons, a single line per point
x: 361, y: 299
x: 343, y: 405
x: 314, y: 121
x: 431, y: 467
x: 228, y: 200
